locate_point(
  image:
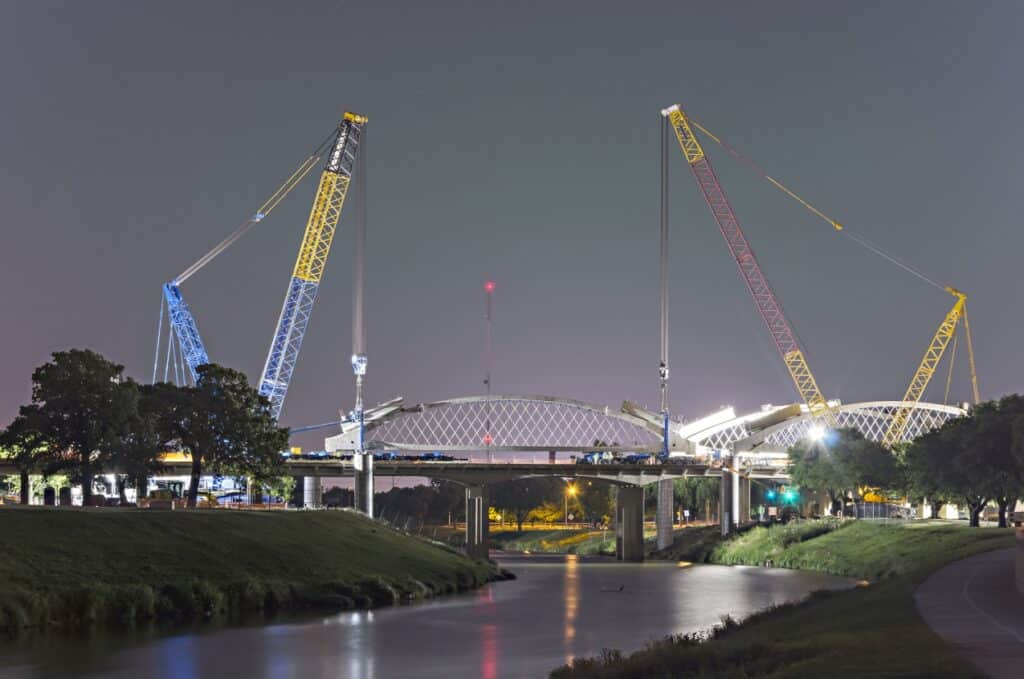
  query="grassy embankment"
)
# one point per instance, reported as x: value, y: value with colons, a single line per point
x: 71, y: 567
x: 555, y: 541
x: 870, y: 631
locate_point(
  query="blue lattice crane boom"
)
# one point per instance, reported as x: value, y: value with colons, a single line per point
x: 182, y: 324
x: 312, y: 259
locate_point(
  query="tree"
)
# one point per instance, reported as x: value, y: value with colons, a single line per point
x: 819, y: 466
x: 697, y: 494
x: 944, y: 459
x: 595, y: 500
x: 992, y: 439
x: 83, y: 412
x: 919, y: 483
x: 522, y: 495
x: 843, y: 461
x: 226, y: 426
x: 869, y: 464
x: 24, y: 444
x: 136, y: 455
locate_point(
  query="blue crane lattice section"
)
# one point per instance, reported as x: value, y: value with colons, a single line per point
x: 184, y: 326
x: 284, y: 352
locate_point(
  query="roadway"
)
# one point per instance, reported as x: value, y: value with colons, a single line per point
x: 495, y: 472
x: 974, y: 605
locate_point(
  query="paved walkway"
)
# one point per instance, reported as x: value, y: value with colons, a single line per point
x: 974, y: 605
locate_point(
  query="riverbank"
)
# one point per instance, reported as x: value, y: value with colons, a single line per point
x: 72, y: 568
x: 874, y: 630
x: 583, y: 542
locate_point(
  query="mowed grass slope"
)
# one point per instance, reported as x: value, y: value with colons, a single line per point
x: 72, y: 565
x: 861, y: 549
x: 872, y: 631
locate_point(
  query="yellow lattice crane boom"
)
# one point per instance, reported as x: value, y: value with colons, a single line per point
x: 932, y: 357
x: 761, y: 291
x: 946, y: 331
x: 312, y: 258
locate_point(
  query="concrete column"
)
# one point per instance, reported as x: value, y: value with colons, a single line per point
x: 363, y: 463
x: 725, y: 502
x: 477, y: 523
x: 665, y: 516
x: 735, y: 498
x: 629, y: 524
x: 743, y: 514
x: 312, y: 492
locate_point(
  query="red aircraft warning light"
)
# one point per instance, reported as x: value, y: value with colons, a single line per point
x: 489, y: 286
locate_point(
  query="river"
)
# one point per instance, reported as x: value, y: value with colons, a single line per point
x: 560, y: 607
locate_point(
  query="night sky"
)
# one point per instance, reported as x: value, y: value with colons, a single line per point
x: 516, y: 141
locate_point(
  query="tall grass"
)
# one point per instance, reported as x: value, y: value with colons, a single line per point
x: 72, y: 568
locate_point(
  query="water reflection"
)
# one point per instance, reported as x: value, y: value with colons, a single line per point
x: 572, y: 598
x: 558, y: 608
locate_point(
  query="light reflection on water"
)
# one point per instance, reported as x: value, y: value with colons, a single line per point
x: 558, y: 609
x: 572, y: 597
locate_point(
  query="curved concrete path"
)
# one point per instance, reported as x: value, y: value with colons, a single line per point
x: 974, y: 605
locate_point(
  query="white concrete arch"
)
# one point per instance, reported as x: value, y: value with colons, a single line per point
x: 871, y: 418
x: 505, y: 423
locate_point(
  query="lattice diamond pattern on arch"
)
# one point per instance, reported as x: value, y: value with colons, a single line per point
x: 870, y: 421
x: 513, y: 423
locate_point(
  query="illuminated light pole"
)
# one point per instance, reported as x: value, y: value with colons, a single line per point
x: 364, y: 484
x: 489, y: 366
x: 570, y: 490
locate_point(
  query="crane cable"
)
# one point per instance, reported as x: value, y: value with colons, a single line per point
x: 860, y: 240
x: 949, y: 375
x: 268, y: 205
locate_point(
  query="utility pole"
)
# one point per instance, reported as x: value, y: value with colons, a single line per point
x: 364, y: 461
x: 489, y: 365
x: 663, y: 363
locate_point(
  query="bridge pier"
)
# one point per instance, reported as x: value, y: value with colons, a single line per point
x: 477, y: 523
x: 312, y: 491
x: 742, y: 498
x: 664, y: 519
x: 363, y: 477
x: 629, y: 524
x: 725, y: 495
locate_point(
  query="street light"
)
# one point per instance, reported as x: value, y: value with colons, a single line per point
x: 817, y: 433
x: 570, y: 490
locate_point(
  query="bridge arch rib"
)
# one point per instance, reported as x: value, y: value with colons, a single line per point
x: 871, y: 418
x: 507, y: 423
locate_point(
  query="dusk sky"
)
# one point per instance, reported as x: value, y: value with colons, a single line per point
x: 517, y: 141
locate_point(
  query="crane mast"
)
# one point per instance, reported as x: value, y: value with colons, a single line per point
x: 312, y: 258
x: 926, y: 369
x: 183, y: 325
x: 764, y: 297
x: 946, y: 331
